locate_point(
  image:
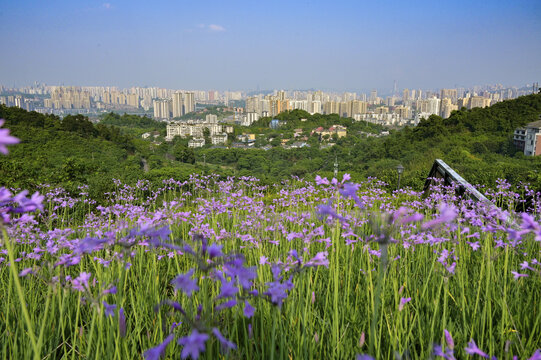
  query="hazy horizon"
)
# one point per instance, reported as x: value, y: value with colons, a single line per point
x: 241, y: 45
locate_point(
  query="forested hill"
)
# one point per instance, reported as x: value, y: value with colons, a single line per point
x: 478, y: 143
x: 68, y: 151
x: 73, y: 151
x: 300, y: 119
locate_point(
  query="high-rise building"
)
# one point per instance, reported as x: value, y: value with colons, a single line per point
x: 147, y: 101
x: 373, y: 96
x: 277, y: 106
x: 178, y: 104
x: 479, y: 101
x: 343, y: 109
x: 133, y: 100
x: 163, y: 108
x: 211, y: 119
x: 447, y: 107
x: 331, y: 107
x: 405, y: 95
x: 358, y: 107
x: 189, y: 102
x: 402, y: 111
x: 429, y: 106
x: 349, y: 96
x: 252, y: 105
x: 382, y: 110
x: 315, y: 107
x: 449, y: 94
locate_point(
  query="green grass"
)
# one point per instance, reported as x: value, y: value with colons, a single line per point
x: 481, y: 301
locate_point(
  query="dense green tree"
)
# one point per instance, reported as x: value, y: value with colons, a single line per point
x: 184, y: 154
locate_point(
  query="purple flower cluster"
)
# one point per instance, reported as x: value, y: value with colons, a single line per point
x: 18, y: 204
x: 140, y: 219
x: 6, y: 139
x: 237, y: 285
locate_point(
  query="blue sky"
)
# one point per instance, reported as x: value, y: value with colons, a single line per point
x: 243, y: 45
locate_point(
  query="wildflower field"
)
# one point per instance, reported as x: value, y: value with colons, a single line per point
x: 228, y: 268
x: 225, y: 268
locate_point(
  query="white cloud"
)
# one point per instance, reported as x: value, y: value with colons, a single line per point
x: 217, y: 28
x: 106, y: 6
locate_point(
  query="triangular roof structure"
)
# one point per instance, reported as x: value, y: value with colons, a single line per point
x: 441, y: 170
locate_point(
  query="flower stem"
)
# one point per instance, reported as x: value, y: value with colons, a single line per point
x: 20, y: 293
x: 377, y: 299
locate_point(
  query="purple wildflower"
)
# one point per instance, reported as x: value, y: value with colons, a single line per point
x: 536, y: 355
x: 249, y: 310
x: 415, y: 217
x: 26, y: 204
x: 525, y: 265
x: 121, y: 322
x: 88, y: 245
x: 175, y: 305
x: 244, y: 275
x: 403, y: 301
x: 215, y: 250
x: 324, y: 210
x: 174, y: 325
x: 474, y: 245
x: 449, y: 339
x: 226, y: 305
x: 81, y: 282
x: 451, y: 268
x: 6, y: 139
x: 111, y: 290
x: 364, y: 357
x: 362, y: 340
x: 157, y: 352
x: 448, y: 354
x: 228, y: 290
x: 349, y: 190
x: 225, y: 343
x: 109, y: 309
x: 294, y: 254
x: 319, y: 260
x: 438, y: 351
x: 516, y: 275
x: 447, y: 214
x: 185, y: 283
x: 277, y: 291
x: 321, y: 181
x: 472, y: 349
x: 193, y: 344
x: 26, y: 272
x: 528, y: 222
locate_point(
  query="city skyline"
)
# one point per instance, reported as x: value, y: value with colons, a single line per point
x: 343, y: 46
x: 165, y: 104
